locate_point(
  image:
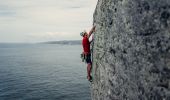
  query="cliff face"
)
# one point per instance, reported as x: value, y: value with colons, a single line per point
x: 131, y: 53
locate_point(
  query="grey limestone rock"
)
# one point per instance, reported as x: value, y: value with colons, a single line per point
x: 131, y: 53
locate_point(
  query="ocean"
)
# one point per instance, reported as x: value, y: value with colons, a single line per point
x: 42, y: 72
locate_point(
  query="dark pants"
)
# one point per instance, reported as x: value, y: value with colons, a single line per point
x: 88, y: 58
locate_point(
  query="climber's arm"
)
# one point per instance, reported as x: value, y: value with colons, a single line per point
x: 92, y: 39
x: 91, y: 31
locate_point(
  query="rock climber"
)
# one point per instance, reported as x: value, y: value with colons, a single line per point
x: 86, y: 51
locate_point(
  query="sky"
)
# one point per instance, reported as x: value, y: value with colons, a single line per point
x: 44, y: 20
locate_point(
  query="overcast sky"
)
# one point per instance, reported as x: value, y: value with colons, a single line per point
x: 44, y: 20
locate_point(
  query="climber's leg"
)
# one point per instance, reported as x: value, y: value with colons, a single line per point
x: 89, y: 67
x: 89, y: 71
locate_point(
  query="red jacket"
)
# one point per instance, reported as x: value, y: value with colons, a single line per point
x: 86, y: 45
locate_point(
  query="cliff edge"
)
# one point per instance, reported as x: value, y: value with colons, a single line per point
x: 131, y: 53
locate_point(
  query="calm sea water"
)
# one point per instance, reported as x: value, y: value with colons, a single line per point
x: 42, y: 72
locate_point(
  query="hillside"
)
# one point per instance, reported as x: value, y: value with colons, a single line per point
x: 65, y: 42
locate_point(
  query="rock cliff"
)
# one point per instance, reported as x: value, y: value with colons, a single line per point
x: 131, y: 53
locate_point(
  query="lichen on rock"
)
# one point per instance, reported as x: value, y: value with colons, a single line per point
x: 131, y: 53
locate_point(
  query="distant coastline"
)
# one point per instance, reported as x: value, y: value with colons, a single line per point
x: 64, y: 42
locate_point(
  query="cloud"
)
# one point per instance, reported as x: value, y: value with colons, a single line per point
x: 42, y: 18
x: 51, y: 34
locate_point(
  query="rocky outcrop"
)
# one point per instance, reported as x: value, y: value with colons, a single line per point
x: 131, y: 53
